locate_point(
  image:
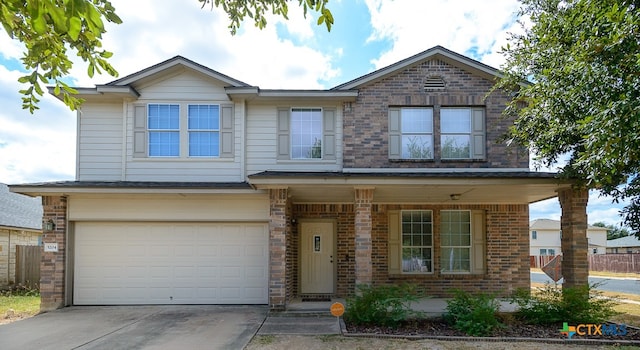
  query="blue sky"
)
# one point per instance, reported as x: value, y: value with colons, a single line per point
x: 296, y: 54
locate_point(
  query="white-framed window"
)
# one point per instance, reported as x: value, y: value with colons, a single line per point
x: 163, y: 122
x: 547, y: 252
x: 411, y: 133
x: 411, y: 242
x: 455, y: 241
x: 417, y: 241
x: 204, y: 130
x: 416, y: 125
x: 534, y: 234
x: 306, y: 133
x: 183, y: 130
x: 461, y: 133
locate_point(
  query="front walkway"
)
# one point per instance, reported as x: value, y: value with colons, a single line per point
x: 430, y: 306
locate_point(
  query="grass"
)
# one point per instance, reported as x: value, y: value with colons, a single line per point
x: 629, y: 312
x: 16, y: 304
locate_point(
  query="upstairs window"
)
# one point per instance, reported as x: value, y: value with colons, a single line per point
x: 411, y: 133
x: 204, y: 130
x: 164, y: 130
x: 462, y: 133
x: 306, y: 133
x: 534, y: 234
x: 183, y: 130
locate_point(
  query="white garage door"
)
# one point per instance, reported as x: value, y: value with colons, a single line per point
x: 170, y: 263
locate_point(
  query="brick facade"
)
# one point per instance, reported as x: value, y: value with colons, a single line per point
x: 507, y: 248
x: 277, y: 247
x: 52, y: 266
x: 366, y: 123
x: 363, y: 236
x: 573, y: 225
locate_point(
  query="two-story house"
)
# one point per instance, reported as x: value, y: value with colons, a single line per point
x: 545, y: 238
x: 196, y: 188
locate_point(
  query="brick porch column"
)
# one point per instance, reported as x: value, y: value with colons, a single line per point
x: 575, y: 265
x: 52, y: 264
x: 364, y: 270
x: 277, y: 247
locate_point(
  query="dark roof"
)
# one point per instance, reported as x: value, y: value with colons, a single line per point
x: 19, y: 211
x: 436, y: 174
x: 136, y: 184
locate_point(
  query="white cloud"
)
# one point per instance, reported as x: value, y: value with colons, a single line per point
x: 38, y: 147
x: 460, y: 25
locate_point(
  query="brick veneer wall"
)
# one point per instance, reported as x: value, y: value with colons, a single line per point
x: 366, y: 124
x: 507, y: 248
x: 52, y: 265
x: 574, y: 242
x: 277, y: 247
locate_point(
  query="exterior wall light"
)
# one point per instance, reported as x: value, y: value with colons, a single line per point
x: 49, y: 225
x: 455, y: 196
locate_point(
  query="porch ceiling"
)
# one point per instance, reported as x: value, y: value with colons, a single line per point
x: 472, y: 187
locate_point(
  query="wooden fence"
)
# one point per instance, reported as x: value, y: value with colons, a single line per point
x: 28, y: 265
x: 539, y: 261
x: 620, y: 263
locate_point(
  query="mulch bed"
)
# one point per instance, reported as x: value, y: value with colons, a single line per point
x: 437, y: 327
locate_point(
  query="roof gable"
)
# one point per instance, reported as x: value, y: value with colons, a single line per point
x: 171, y: 65
x: 436, y: 52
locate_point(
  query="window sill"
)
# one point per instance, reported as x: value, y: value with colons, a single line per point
x: 463, y: 160
x: 185, y: 159
x: 412, y: 160
x: 306, y: 161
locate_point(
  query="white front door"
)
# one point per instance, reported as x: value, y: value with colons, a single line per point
x: 317, y: 258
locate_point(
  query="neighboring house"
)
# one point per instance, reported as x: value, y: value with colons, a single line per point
x: 20, y: 224
x: 196, y: 188
x: 544, y: 238
x: 629, y: 244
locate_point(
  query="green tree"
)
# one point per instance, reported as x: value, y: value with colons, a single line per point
x: 582, y: 61
x: 50, y: 28
x: 613, y: 232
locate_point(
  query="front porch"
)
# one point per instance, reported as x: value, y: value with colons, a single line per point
x: 361, y: 209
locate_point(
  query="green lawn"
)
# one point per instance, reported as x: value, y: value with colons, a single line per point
x: 16, y: 306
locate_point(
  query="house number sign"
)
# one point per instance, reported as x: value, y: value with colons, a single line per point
x: 51, y: 247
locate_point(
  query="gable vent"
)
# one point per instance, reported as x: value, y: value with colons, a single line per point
x: 434, y: 83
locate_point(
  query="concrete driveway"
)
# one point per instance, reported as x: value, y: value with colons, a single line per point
x: 136, y: 327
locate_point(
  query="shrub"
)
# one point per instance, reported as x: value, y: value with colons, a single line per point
x: 20, y: 290
x: 382, y: 305
x: 474, y: 315
x: 553, y: 305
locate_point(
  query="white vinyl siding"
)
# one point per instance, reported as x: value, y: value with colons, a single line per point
x: 100, y: 142
x: 186, y: 88
x: 264, y: 151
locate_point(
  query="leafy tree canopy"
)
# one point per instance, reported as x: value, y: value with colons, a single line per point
x: 49, y: 29
x: 582, y: 58
x: 613, y: 232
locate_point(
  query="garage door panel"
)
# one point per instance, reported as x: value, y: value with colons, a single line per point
x: 170, y: 263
